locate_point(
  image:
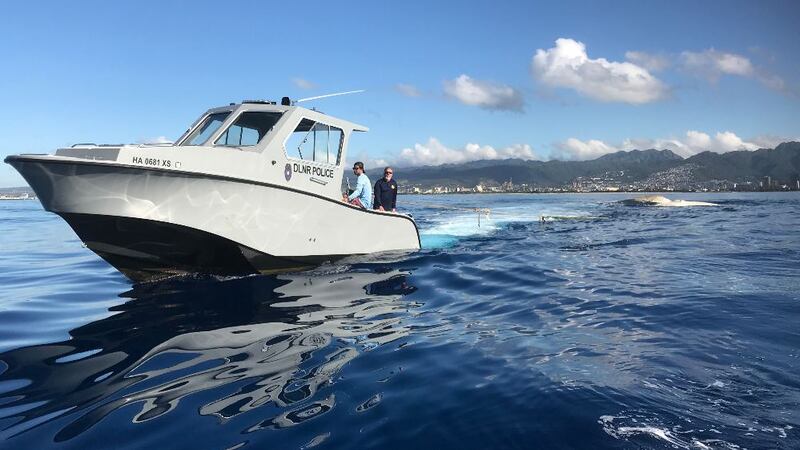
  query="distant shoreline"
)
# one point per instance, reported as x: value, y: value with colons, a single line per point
x: 598, y: 192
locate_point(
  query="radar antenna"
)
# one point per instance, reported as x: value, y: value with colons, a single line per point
x: 329, y: 95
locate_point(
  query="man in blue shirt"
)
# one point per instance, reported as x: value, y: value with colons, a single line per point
x: 362, y: 195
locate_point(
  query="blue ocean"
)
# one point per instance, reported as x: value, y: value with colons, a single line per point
x: 553, y: 321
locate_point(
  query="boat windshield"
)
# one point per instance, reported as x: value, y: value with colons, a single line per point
x: 249, y: 128
x: 210, y: 124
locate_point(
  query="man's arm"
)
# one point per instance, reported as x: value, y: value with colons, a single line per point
x: 376, y: 194
x: 394, y: 196
x: 358, y: 190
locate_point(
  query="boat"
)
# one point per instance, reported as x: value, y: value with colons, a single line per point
x: 251, y: 187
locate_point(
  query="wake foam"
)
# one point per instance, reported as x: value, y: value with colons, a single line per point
x: 659, y: 200
x: 675, y: 437
x: 446, y: 228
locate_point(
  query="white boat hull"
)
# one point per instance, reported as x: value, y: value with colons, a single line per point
x: 148, y: 222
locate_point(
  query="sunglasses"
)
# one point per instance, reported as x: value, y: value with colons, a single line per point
x: 388, y: 173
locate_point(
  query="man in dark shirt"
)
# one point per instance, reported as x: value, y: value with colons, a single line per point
x: 386, y: 192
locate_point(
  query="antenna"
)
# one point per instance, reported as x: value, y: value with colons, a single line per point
x: 329, y: 95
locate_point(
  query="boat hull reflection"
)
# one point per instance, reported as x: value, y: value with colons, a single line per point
x: 272, y: 337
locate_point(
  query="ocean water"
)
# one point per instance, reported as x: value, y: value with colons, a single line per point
x: 550, y: 321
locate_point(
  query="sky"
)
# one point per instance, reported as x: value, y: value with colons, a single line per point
x: 445, y: 82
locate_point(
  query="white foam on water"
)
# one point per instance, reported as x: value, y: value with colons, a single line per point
x: 659, y: 200
x: 460, y: 225
x: 576, y: 218
x: 448, y: 226
x: 660, y: 433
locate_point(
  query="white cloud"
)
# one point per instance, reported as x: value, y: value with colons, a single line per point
x: 434, y: 153
x: 698, y: 140
x: 484, y: 94
x: 408, y: 90
x: 303, y: 83
x: 771, y: 81
x: 155, y: 140
x: 712, y: 64
x: 771, y: 141
x: 692, y: 143
x: 369, y: 162
x: 727, y: 141
x: 575, y: 149
x: 568, y: 65
x: 650, y: 61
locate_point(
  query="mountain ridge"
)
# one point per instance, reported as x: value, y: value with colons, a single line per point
x: 780, y: 163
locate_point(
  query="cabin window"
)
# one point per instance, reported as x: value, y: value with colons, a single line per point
x: 250, y: 127
x: 315, y: 141
x: 210, y: 124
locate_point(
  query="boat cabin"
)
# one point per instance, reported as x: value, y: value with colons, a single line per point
x: 308, y: 146
x: 261, y: 141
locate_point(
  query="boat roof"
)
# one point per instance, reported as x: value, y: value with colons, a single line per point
x: 267, y: 105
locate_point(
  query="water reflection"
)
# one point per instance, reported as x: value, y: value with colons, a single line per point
x: 274, y: 341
